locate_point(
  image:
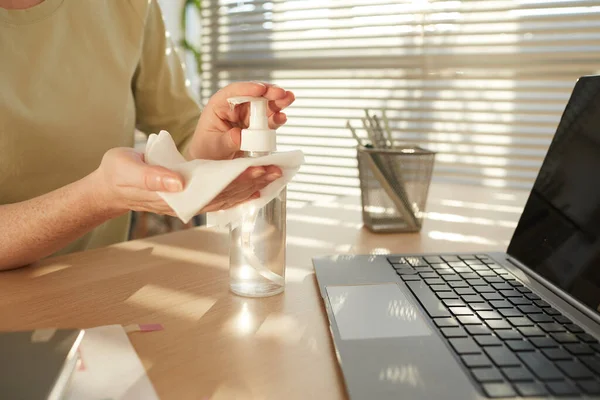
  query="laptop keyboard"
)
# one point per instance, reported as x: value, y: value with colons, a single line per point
x: 509, y: 340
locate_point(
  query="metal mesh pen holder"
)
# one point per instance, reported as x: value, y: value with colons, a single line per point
x: 394, y: 186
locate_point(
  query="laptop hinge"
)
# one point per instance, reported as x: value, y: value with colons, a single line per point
x: 555, y: 289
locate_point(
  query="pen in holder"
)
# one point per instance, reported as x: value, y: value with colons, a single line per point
x: 394, y: 181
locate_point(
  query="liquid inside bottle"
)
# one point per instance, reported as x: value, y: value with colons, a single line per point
x: 257, y: 251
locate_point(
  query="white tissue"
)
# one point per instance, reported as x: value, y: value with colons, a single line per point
x: 205, y: 179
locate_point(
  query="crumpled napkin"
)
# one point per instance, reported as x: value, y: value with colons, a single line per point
x: 205, y: 179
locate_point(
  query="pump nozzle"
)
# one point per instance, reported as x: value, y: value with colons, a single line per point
x: 258, y: 136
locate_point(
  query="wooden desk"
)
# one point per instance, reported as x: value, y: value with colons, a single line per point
x: 219, y: 346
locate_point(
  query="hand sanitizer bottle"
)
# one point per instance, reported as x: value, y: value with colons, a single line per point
x: 257, y: 242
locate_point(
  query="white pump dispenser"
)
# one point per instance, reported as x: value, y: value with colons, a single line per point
x: 258, y: 137
x: 257, y: 242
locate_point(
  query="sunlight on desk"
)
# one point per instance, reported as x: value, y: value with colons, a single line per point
x: 173, y: 302
x: 281, y: 328
x: 187, y: 255
x: 47, y: 269
x: 243, y: 323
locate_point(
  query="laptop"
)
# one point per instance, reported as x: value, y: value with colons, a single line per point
x: 519, y: 324
x: 38, y: 365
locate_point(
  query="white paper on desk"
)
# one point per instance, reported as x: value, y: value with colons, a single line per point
x: 112, y: 369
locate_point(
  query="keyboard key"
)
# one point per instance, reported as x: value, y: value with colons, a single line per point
x: 396, y: 260
x: 540, y: 365
x: 476, y: 360
x: 563, y: 388
x: 552, y: 311
x: 564, y: 337
x: 586, y: 338
x: 579, y: 349
x: 575, y: 370
x: 592, y: 363
x: 410, y: 277
x: 481, y: 306
x: 477, y: 282
x: 464, y: 346
x: 459, y: 284
x: 445, y: 271
x: 433, y: 259
x: 485, y: 289
x: 487, y: 340
x: 510, y: 312
x: 455, y: 264
x: 434, y: 281
x: 541, y: 318
x: 451, y: 277
x: 469, y: 275
x: 532, y: 296
x: 478, y: 330
x: 509, y: 334
x: 472, y: 298
x: 516, y: 374
x: 502, y: 356
x: 596, y: 346
x: 520, y: 321
x: 501, y: 286
x: 501, y: 304
x: 447, y: 295
x: 495, y: 390
x: 557, y: 354
x: 543, y: 342
x: 432, y: 305
x: 493, y: 279
x: 416, y: 261
x: 469, y: 320
x: 551, y: 327
x: 489, y: 315
x: 498, y: 324
x: 441, y: 288
x: 531, y: 331
x: 406, y: 271
x: 510, y: 294
x: 485, y: 375
x: 488, y: 273
x: 519, y: 301
x: 461, y: 311
x: 453, y: 303
x: 465, y: 291
x: 530, y: 389
x: 450, y: 258
x: 590, y: 387
x: 438, y: 267
x: 519, y: 345
x: 468, y: 257
x: 429, y: 275
x: 479, y: 267
x: 424, y: 269
x: 454, y: 332
x: 524, y: 289
x: 541, y: 303
x: 473, y: 262
x: 574, y: 328
x: 446, y: 322
x: 530, y: 309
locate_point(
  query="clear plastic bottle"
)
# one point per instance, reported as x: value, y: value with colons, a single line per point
x: 258, y: 241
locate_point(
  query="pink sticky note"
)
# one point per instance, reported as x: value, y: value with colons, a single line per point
x: 151, y: 327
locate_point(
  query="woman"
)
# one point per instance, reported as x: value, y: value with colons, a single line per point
x: 76, y: 79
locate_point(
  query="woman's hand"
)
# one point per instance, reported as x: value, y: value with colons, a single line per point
x: 124, y: 182
x: 218, y: 133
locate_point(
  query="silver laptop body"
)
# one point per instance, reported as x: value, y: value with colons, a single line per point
x: 402, y: 331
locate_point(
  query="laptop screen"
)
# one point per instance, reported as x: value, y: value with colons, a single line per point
x: 558, y: 235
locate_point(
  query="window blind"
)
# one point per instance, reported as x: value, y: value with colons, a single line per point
x: 483, y: 83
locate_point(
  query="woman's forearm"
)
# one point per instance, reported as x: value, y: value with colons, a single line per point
x: 36, y: 228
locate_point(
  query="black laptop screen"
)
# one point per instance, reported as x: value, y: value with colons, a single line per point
x: 558, y: 235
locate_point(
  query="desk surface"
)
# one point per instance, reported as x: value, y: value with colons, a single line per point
x: 216, y: 345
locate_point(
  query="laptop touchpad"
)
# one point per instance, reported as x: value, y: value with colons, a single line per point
x: 375, y: 311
